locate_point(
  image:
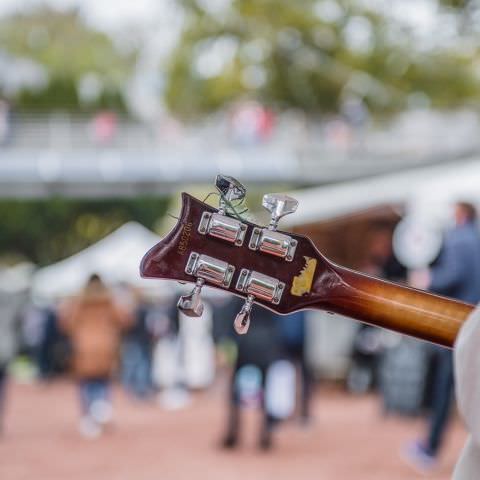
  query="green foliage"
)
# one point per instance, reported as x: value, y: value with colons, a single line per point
x: 68, y: 49
x: 457, y: 3
x: 61, y: 94
x: 45, y: 231
x: 304, y: 54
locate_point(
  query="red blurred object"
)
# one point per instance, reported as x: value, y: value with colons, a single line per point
x: 105, y: 127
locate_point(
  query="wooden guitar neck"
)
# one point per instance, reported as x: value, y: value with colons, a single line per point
x: 388, y: 305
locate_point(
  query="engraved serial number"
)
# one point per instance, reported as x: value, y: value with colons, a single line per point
x: 185, y: 238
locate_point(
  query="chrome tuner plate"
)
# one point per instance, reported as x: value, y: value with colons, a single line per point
x: 210, y: 269
x: 223, y: 227
x: 273, y: 243
x: 260, y: 286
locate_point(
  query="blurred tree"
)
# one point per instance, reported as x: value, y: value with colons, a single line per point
x: 85, y: 70
x: 468, y: 14
x: 308, y: 54
x: 61, y: 94
x: 45, y: 231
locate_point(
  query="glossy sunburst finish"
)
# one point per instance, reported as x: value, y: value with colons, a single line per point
x: 388, y: 305
x: 331, y: 287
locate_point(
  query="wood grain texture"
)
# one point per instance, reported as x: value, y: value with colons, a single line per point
x: 388, y: 305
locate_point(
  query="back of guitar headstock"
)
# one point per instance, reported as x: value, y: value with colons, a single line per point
x: 216, y: 247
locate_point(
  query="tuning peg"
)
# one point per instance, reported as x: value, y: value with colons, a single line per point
x: 191, y: 304
x: 278, y: 205
x: 242, y: 320
x: 230, y: 188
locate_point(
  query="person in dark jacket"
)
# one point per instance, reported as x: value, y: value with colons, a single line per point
x: 137, y: 354
x: 260, y: 347
x: 456, y: 274
x: 293, y: 331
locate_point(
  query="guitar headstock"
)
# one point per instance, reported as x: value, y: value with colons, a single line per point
x: 216, y: 247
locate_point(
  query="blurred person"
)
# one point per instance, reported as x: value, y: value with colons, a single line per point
x: 53, y: 348
x: 137, y: 353
x: 9, y: 338
x: 225, y: 346
x: 186, y: 357
x: 251, y: 123
x: 455, y: 274
x: 338, y: 135
x: 293, y: 332
x: 356, y: 114
x: 104, y: 127
x: 260, y: 348
x: 380, y: 260
x: 4, y: 121
x: 33, y: 326
x: 93, y: 321
x: 369, y: 343
x: 197, y: 349
x: 168, y: 368
x: 266, y: 123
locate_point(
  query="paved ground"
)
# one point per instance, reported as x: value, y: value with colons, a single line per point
x: 349, y: 441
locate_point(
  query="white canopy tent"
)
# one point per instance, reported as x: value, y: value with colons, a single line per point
x: 426, y: 192
x: 17, y: 278
x: 116, y: 258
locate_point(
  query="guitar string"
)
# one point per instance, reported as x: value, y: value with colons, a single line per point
x: 231, y: 207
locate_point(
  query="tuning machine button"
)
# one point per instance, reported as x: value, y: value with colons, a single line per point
x: 191, y: 304
x: 279, y: 205
x: 242, y: 320
x: 230, y: 189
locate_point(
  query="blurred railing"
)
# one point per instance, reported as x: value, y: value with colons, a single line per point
x: 105, y: 154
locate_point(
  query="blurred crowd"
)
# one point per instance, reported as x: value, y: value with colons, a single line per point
x: 244, y: 124
x: 120, y: 334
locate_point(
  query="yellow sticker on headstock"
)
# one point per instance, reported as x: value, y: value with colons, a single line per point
x: 302, y: 283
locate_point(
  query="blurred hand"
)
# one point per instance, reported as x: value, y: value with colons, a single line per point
x: 419, y: 279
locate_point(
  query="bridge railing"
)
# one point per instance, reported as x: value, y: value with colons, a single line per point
x: 294, y: 147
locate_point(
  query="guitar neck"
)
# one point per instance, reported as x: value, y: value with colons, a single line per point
x: 392, y: 306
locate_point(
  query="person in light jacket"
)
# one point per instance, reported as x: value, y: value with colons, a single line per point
x: 93, y: 322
